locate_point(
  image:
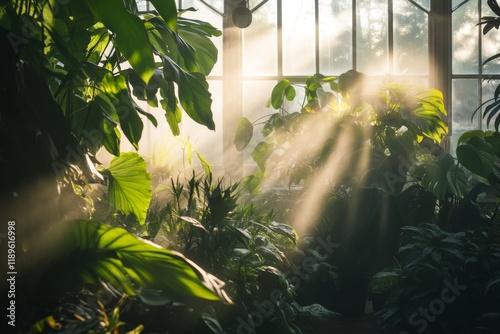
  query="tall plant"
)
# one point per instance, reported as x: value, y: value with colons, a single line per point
x: 479, y: 151
x: 78, y: 65
x: 71, y: 74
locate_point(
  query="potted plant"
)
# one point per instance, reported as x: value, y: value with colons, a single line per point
x: 446, y: 282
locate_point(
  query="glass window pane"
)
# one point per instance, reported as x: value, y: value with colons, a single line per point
x: 142, y: 5
x: 256, y: 93
x: 298, y: 38
x: 260, y: 48
x: 463, y: 108
x: 411, y: 45
x: 465, y: 39
x: 371, y: 36
x: 425, y: 4
x: 335, y: 36
x: 455, y: 3
x: 255, y: 3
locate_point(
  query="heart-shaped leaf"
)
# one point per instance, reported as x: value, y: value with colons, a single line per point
x: 476, y: 155
x: 130, y: 185
x: 244, y: 133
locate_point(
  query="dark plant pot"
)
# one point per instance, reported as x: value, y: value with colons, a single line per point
x: 379, y: 299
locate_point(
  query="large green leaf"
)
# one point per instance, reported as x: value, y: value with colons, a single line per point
x: 476, y: 155
x: 173, y: 114
x: 193, y: 93
x: 197, y: 34
x: 458, y: 183
x: 468, y: 135
x: 170, y: 44
x: 424, y: 108
x: 111, y: 137
x: 279, y: 92
x: 130, y: 121
x: 98, y: 252
x: 442, y: 176
x: 261, y: 153
x: 130, y: 185
x: 244, y: 133
x: 99, y: 40
x: 168, y: 11
x: 131, y: 37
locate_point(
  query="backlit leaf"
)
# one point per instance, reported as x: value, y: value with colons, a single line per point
x: 130, y: 185
x: 244, y: 133
x: 99, y: 252
x: 193, y: 93
x: 261, y: 153
x: 168, y: 11
x: 278, y: 93
x: 131, y: 36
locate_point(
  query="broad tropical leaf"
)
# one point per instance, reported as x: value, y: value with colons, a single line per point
x: 130, y: 121
x: 99, y: 252
x: 193, y: 93
x: 131, y: 37
x: 442, y: 176
x: 261, y: 153
x: 279, y: 92
x: 168, y: 11
x: 244, y: 133
x: 196, y: 33
x: 476, y: 155
x: 424, y: 109
x: 129, y: 185
x: 458, y: 183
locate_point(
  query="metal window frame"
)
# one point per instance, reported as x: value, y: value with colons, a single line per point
x: 440, y: 74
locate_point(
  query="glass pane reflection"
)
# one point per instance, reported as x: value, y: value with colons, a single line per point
x: 298, y: 39
x: 465, y: 39
x: 260, y: 49
x: 411, y: 47
x: 371, y: 36
x: 335, y: 36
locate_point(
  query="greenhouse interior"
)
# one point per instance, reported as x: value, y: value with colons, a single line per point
x: 250, y: 166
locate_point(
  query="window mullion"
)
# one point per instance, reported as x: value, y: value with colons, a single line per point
x: 480, y: 67
x: 316, y: 35
x: 354, y: 36
x: 440, y: 46
x: 232, y: 84
x: 390, y: 32
x: 280, y: 38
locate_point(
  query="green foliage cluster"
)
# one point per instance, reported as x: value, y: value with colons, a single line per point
x: 382, y: 129
x: 448, y: 273
x: 88, y: 314
x: 359, y: 141
x: 71, y: 74
x: 203, y: 219
x: 370, y: 149
x: 459, y: 271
